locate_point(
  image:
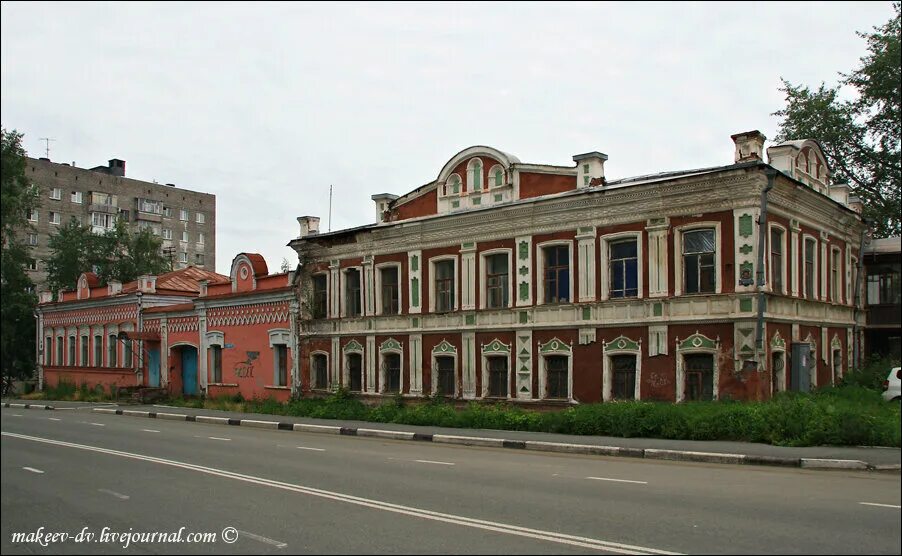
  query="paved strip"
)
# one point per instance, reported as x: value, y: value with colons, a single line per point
x: 550, y: 536
x: 880, y: 505
x: 618, y: 480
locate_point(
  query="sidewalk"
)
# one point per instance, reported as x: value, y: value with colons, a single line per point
x: 651, y: 448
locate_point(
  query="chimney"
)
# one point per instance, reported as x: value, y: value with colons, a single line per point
x: 202, y: 286
x: 309, y: 225
x: 749, y: 146
x: 856, y: 204
x: 46, y: 296
x: 839, y: 192
x: 147, y: 283
x: 117, y: 167
x: 589, y: 167
x: 383, y: 200
x: 113, y: 287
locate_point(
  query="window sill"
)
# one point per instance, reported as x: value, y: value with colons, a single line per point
x: 272, y: 387
x: 224, y: 384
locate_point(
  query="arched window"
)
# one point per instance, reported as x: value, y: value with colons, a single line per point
x: 453, y: 185
x: 496, y: 175
x: 474, y: 175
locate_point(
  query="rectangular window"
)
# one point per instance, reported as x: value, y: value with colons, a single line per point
x: 32, y: 239
x: 78, y: 197
x: 498, y: 377
x: 810, y: 249
x: 98, y: 351
x: 699, y: 377
x: 390, y: 291
x: 183, y: 214
x: 71, y: 361
x: 84, y: 352
x: 199, y: 259
x: 127, y: 357
x: 776, y: 260
x: 496, y: 282
x: 444, y: 286
x: 54, y: 218
x: 200, y: 218
x: 352, y: 293
x: 624, y: 268
x: 216, y: 363
x: 185, y: 236
x: 33, y: 215
x: 445, y: 369
x: 48, y: 350
x: 556, y: 366
x: 32, y: 264
x: 59, y: 350
x: 167, y: 212
x: 56, y: 193
x: 103, y: 220
x: 167, y: 233
x: 699, y: 273
x: 320, y: 371
x: 150, y: 206
x: 557, y: 274
x: 391, y: 365
x: 183, y: 257
x: 320, y: 296
x: 281, y: 353
x: 624, y: 383
x: 111, y: 348
x: 834, y: 276
x: 884, y: 286
x: 200, y: 238
x: 355, y: 372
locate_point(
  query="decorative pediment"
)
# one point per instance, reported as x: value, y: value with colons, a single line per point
x: 835, y: 343
x: 353, y: 345
x: 777, y: 342
x: 390, y: 345
x: 496, y: 346
x: 445, y: 347
x: 698, y: 341
x: 555, y: 345
x: 622, y: 343
x: 809, y: 339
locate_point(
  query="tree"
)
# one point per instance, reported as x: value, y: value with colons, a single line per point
x: 17, y: 300
x: 285, y: 265
x: 861, y: 137
x: 118, y: 254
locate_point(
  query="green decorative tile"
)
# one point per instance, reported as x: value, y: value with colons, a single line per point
x: 587, y: 313
x: 470, y: 320
x: 415, y: 292
x: 415, y: 263
x: 745, y: 225
x: 745, y: 305
x: 498, y: 197
x: 745, y: 249
x: 524, y: 250
x: 524, y: 317
x: 657, y: 309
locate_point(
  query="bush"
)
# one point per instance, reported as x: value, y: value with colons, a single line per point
x: 871, y: 374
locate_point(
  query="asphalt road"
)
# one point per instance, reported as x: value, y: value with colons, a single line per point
x: 291, y: 492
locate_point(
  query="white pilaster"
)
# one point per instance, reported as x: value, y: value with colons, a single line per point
x: 523, y: 364
x: 586, y: 253
x: 794, y: 262
x: 415, y: 351
x: 468, y: 369
x: 335, y: 358
x: 371, y: 364
x: 334, y: 289
x: 415, y: 281
x: 468, y: 276
x: 657, y: 230
x: 369, y: 285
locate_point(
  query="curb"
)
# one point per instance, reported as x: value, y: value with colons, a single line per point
x: 533, y: 445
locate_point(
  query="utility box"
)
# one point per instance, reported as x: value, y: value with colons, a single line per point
x: 800, y: 374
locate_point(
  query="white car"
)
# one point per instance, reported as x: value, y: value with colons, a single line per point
x: 892, y: 386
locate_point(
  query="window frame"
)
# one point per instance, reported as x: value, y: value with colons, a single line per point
x: 540, y: 270
x: 380, y: 298
x: 314, y: 310
x: 784, y: 258
x: 836, y: 274
x: 455, y: 286
x: 345, y: 292
x: 814, y: 274
x: 314, y: 384
x: 679, y: 270
x: 56, y: 193
x: 604, y: 251
x: 484, y: 277
x: 184, y: 215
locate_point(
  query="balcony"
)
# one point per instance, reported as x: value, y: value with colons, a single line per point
x: 889, y: 315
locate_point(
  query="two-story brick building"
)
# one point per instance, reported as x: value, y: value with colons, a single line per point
x: 536, y: 283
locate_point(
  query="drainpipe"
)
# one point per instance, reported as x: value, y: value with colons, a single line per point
x: 762, y: 236
x: 856, y: 342
x: 39, y: 348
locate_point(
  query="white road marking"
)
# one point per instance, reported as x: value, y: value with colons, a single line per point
x: 33, y: 470
x: 550, y: 536
x: 617, y: 480
x: 266, y: 540
x: 435, y: 462
x: 218, y: 438
x: 148, y: 430
x: 880, y: 505
x: 311, y: 449
x: 54, y: 419
x: 114, y: 493
x: 97, y: 424
x: 17, y: 414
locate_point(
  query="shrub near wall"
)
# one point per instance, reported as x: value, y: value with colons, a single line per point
x: 850, y: 415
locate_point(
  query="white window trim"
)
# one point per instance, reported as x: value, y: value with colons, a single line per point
x: 833, y: 351
x: 679, y: 279
x: 486, y: 355
x: 783, y: 254
x: 471, y: 180
x: 328, y: 276
x: 312, y: 368
x: 812, y: 357
x: 59, y: 355
x: 185, y: 236
x: 382, y: 370
x: 681, y: 370
x: 814, y: 268
x: 543, y: 374
x: 200, y: 218
x: 52, y: 220
x: 34, y: 216
x: 378, y: 293
x: 492, y: 177
x: 456, y: 370
x: 200, y: 238
x: 853, y: 274
x: 432, y: 298
x: 605, y: 251
x: 447, y: 186
x: 343, y: 284
x: 483, y: 277
x: 56, y: 193
x: 77, y: 197
x: 540, y: 269
x: 346, y: 368
x: 186, y: 214
x: 781, y: 373
x: 608, y: 371
x: 836, y: 293
x: 280, y: 336
x: 167, y: 236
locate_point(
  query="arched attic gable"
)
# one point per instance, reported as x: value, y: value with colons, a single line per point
x: 803, y: 160
x: 246, y: 268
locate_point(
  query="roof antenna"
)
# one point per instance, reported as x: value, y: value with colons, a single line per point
x: 47, y: 141
x: 330, y: 207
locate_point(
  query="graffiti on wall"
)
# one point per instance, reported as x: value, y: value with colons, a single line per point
x: 245, y: 369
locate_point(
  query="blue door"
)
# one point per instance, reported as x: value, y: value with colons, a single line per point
x: 153, y: 367
x: 189, y: 371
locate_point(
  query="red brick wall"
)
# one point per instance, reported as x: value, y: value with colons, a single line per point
x: 424, y: 205
x: 90, y: 376
x: 535, y: 185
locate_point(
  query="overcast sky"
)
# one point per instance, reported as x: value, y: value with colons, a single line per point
x: 266, y: 105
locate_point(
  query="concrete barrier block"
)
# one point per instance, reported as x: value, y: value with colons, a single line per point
x: 816, y: 463
x: 172, y: 416
x: 301, y: 427
x: 468, y: 440
x: 704, y: 457
x: 212, y: 420
x: 259, y: 424
x: 393, y: 435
